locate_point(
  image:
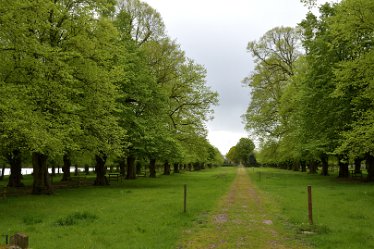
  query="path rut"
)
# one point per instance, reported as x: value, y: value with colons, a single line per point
x: 241, y: 220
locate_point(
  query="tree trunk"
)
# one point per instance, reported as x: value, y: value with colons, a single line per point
x: 313, y: 167
x: 100, y: 169
x: 343, y: 167
x: 196, y: 166
x: 66, y: 168
x: 131, y: 168
x: 15, y: 162
x: 370, y: 166
x: 303, y: 165
x: 122, y: 167
x: 325, y: 164
x: 138, y: 168
x: 42, y: 180
x: 166, y: 168
x: 152, y: 168
x: 176, y: 167
x: 358, y: 164
x: 76, y: 171
x: 2, y: 172
x: 86, y: 170
x: 295, y: 165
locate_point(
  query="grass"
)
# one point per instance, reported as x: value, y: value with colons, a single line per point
x: 144, y: 213
x: 342, y: 209
x: 242, y: 219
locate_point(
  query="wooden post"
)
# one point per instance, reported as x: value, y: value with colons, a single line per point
x: 185, y: 199
x: 20, y: 240
x: 310, y: 209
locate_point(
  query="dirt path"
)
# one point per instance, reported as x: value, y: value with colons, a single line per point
x: 241, y: 220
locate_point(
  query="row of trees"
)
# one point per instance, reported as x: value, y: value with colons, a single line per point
x: 312, y: 90
x: 97, y: 79
x: 242, y: 153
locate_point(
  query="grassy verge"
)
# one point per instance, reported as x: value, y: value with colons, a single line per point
x: 342, y: 209
x: 145, y: 213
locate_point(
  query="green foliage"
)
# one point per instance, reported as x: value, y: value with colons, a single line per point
x: 242, y: 152
x: 98, y: 78
x: 324, y: 104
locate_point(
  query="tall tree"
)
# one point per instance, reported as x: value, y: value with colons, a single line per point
x: 274, y: 54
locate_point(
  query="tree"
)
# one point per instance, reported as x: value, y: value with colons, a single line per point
x: 56, y: 62
x: 275, y: 54
x: 242, y: 152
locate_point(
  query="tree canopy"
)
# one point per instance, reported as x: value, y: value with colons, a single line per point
x: 320, y: 104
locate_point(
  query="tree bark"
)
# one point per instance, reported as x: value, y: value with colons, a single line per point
x: 325, y: 164
x: 295, y: 165
x: 369, y: 166
x: 357, y: 164
x: 196, y: 166
x: 15, y: 161
x: 131, y: 167
x: 343, y: 167
x: 176, y: 167
x: 122, y: 166
x: 100, y: 169
x: 303, y: 165
x: 138, y: 168
x: 42, y: 180
x: 152, y: 168
x: 2, y: 172
x: 166, y: 168
x: 76, y: 171
x: 313, y: 166
x: 66, y: 167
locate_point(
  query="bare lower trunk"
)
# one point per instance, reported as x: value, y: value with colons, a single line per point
x: 176, y: 167
x: 358, y: 165
x: 66, y: 168
x: 131, y: 168
x: 303, y: 165
x: 325, y: 164
x: 152, y: 168
x: 15, y: 162
x: 370, y: 166
x: 138, y: 168
x: 2, y: 172
x: 313, y: 166
x: 343, y: 167
x: 196, y: 166
x: 100, y: 169
x: 166, y: 168
x: 122, y: 166
x: 42, y: 180
x: 295, y: 166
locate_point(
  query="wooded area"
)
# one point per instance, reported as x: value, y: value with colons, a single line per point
x: 86, y: 82
x: 313, y: 90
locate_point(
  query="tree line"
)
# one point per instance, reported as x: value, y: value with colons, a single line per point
x: 312, y: 90
x: 92, y: 81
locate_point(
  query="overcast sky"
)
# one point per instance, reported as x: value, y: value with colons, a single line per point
x: 215, y: 33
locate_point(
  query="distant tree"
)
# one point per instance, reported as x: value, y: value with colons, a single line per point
x: 242, y: 152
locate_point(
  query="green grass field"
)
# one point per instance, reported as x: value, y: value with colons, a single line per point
x: 342, y: 209
x: 143, y: 213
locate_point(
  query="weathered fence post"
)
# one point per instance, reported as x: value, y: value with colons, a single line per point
x: 20, y: 240
x: 310, y: 208
x: 185, y: 199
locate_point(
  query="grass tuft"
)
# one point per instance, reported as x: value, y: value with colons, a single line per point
x: 75, y: 218
x: 32, y: 220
